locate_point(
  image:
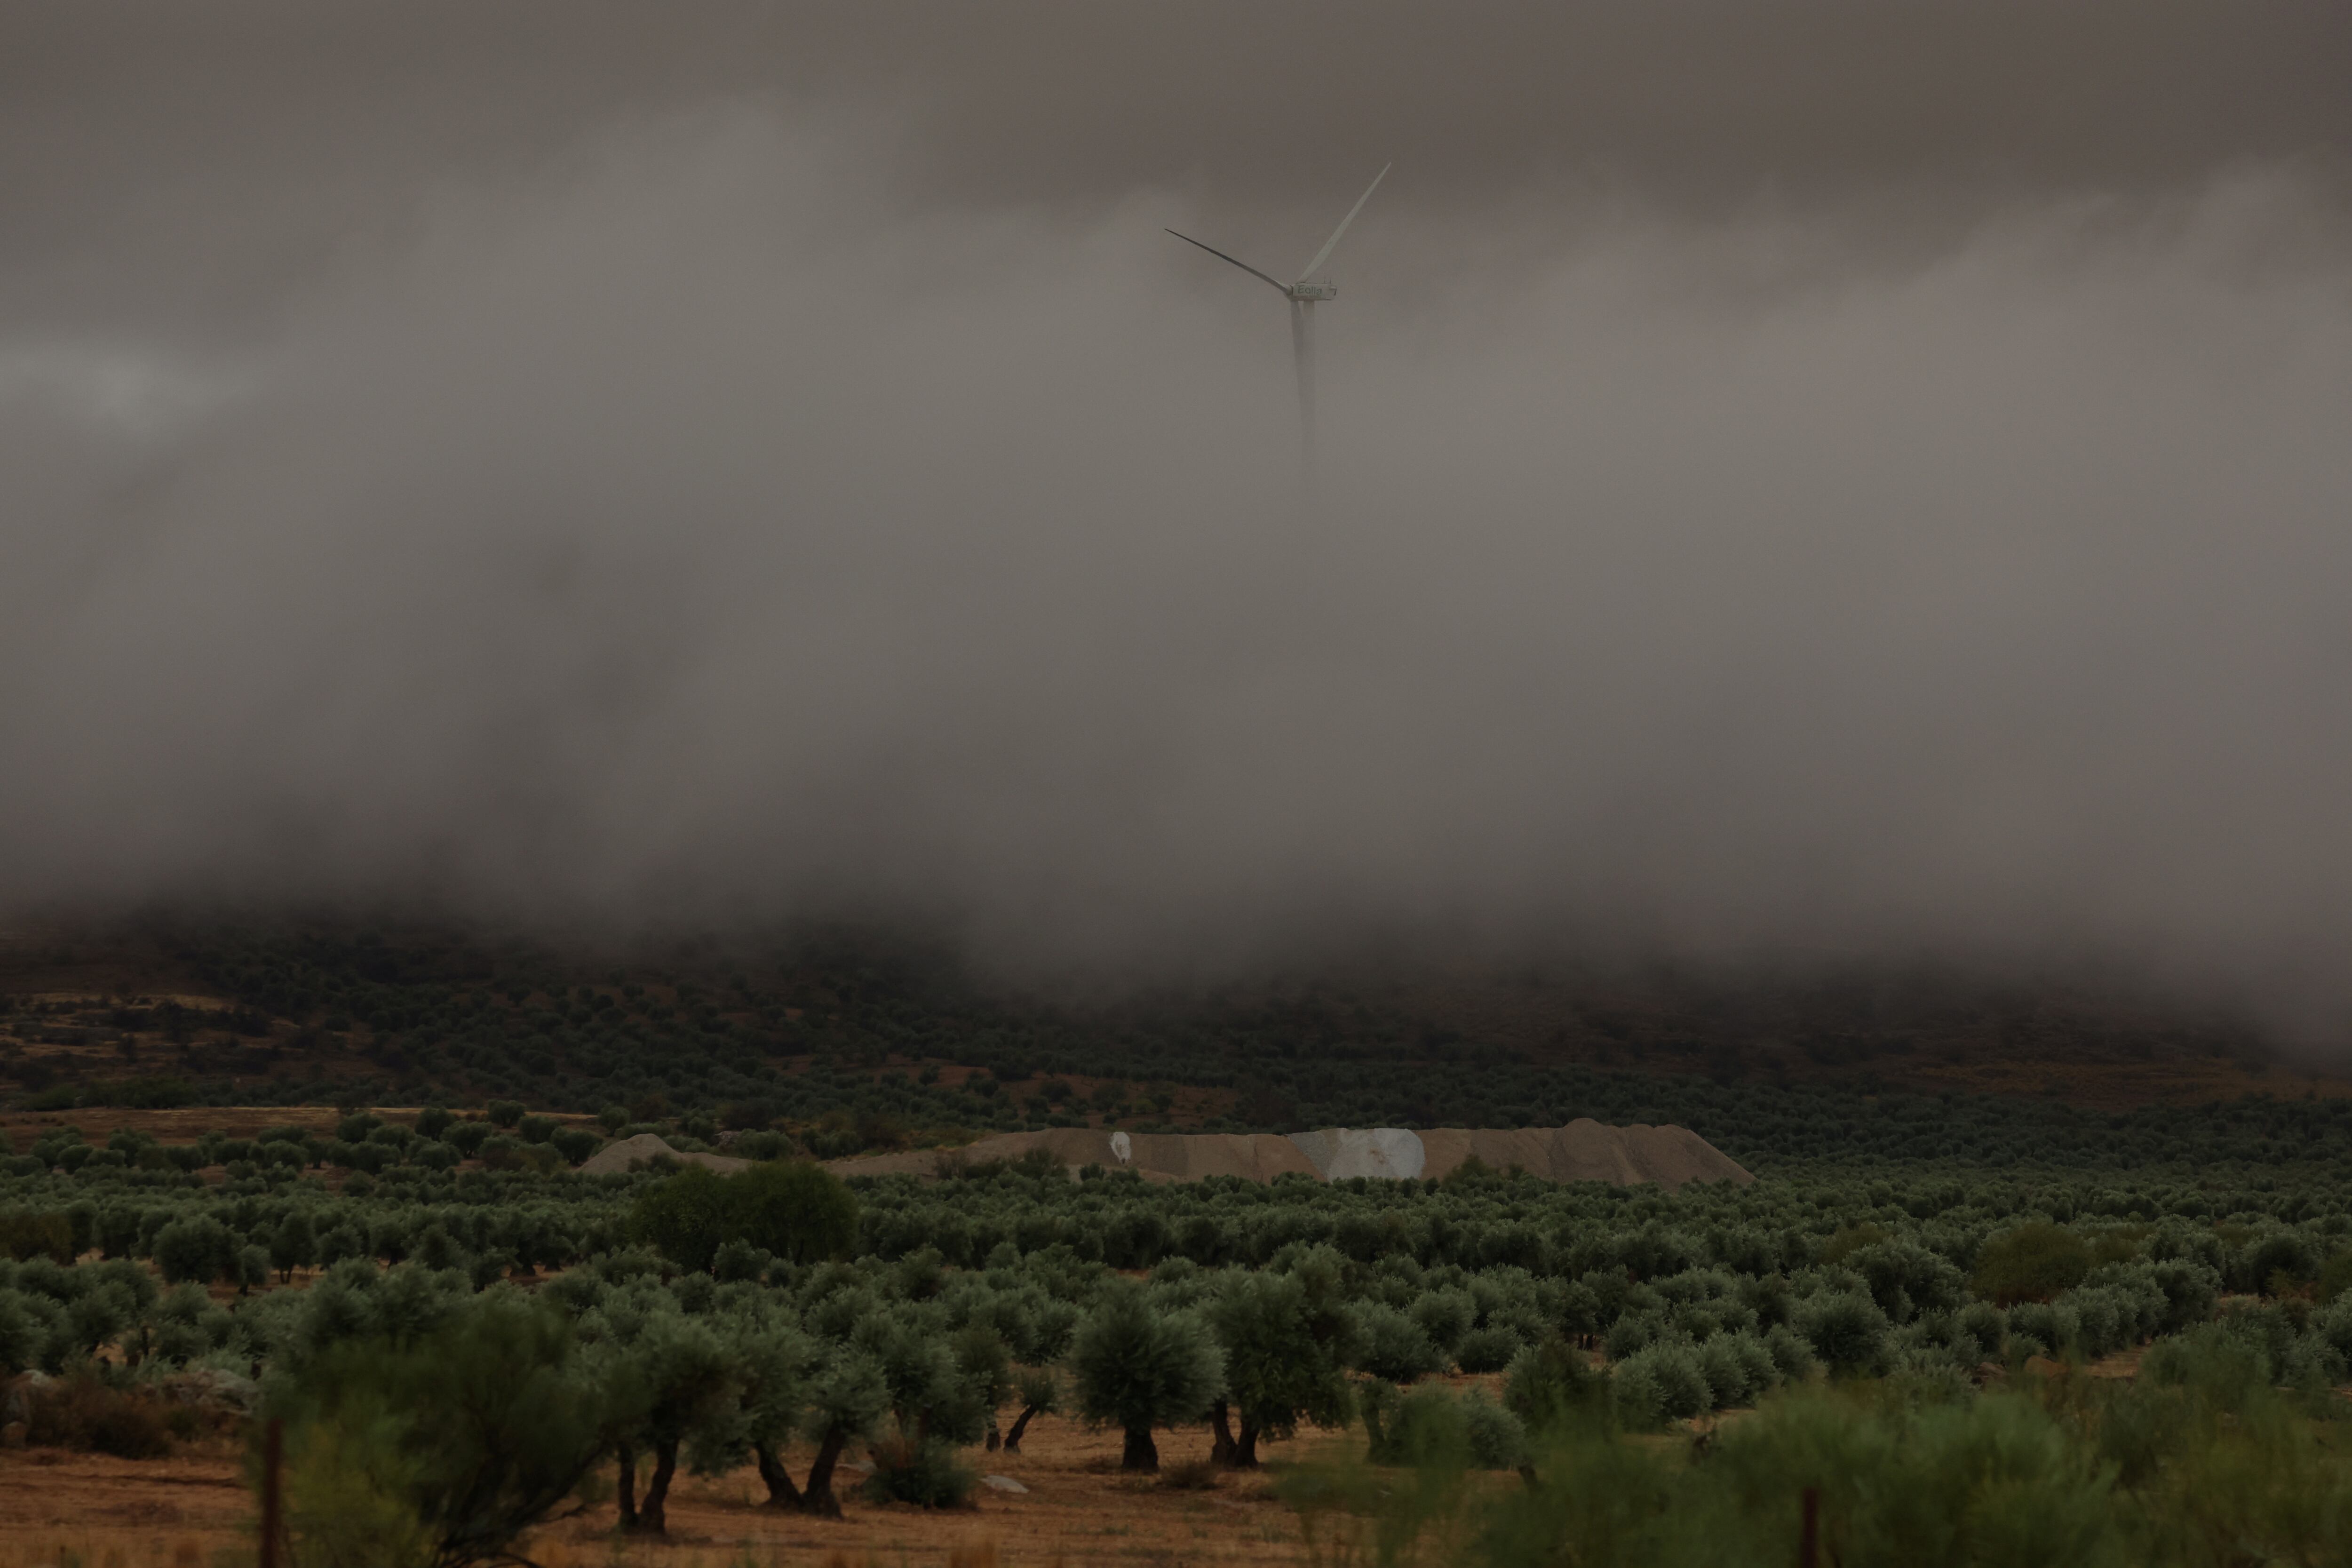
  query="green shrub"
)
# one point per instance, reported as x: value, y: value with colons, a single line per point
x: 1985, y: 1326
x: 1845, y: 1328
x: 1850, y: 1239
x: 2032, y: 1263
x: 1487, y: 1350
x: 1551, y: 1385
x: 1497, y: 1439
x: 1635, y: 1331
x: 925, y: 1472
x: 1663, y: 1383
x: 1430, y: 1426
x: 2051, y: 1325
x: 20, y: 1334
x: 2334, y: 1276
x: 198, y: 1247
x: 2279, y: 1264
x: 1444, y: 1315
x: 83, y: 1413
x: 25, y: 1233
x: 1731, y: 1377
x: 1982, y: 1480
x: 798, y: 1212
x: 1394, y: 1347
x: 451, y: 1444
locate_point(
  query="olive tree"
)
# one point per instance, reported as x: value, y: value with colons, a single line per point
x: 773, y: 1363
x: 944, y: 1392
x: 1039, y: 1393
x: 792, y: 1210
x: 197, y: 1248
x: 1138, y: 1368
x: 1285, y: 1354
x: 846, y: 1400
x: 677, y: 1377
x: 293, y: 1244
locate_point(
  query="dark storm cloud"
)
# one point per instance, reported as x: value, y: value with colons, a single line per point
x: 1824, y: 476
x: 158, y: 156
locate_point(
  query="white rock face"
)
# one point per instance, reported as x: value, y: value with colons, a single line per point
x: 1386, y: 1153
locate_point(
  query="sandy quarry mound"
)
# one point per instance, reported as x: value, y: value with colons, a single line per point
x: 1587, y: 1150
x: 1156, y: 1156
x: 1584, y: 1150
x: 618, y: 1159
x: 1188, y: 1156
x: 1387, y: 1154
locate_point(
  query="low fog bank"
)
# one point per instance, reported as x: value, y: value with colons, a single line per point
x: 698, y: 527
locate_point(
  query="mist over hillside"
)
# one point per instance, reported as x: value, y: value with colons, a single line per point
x: 227, y: 1008
x: 637, y: 479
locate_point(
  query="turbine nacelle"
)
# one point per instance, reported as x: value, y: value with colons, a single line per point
x: 1302, y: 295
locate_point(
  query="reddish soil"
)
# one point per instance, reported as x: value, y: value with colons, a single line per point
x: 194, y: 1511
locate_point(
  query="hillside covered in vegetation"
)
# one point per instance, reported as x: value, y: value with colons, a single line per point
x: 854, y: 1043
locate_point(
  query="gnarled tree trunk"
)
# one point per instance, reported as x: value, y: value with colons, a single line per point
x: 1220, y: 1441
x: 1019, y: 1425
x: 653, y: 1515
x: 627, y: 1457
x: 1142, y: 1453
x: 781, y: 1493
x: 818, y: 1497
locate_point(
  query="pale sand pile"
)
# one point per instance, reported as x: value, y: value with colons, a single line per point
x: 1584, y: 1150
x: 629, y: 1153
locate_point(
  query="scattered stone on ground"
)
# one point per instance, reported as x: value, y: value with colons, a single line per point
x: 211, y: 1388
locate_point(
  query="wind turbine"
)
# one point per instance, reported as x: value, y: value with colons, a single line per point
x: 1302, y: 296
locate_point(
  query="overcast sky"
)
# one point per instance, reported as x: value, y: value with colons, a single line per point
x: 1829, y: 478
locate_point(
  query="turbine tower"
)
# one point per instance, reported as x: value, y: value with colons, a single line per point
x: 1303, y: 295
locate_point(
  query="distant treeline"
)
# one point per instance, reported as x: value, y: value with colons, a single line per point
x: 324, y: 1018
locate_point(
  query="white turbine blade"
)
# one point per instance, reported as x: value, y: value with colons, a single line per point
x: 1244, y: 266
x: 1324, y: 255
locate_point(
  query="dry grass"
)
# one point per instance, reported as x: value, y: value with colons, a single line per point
x: 109, y: 1547
x: 192, y: 1510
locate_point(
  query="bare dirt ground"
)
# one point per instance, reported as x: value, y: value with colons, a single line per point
x: 193, y: 1512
